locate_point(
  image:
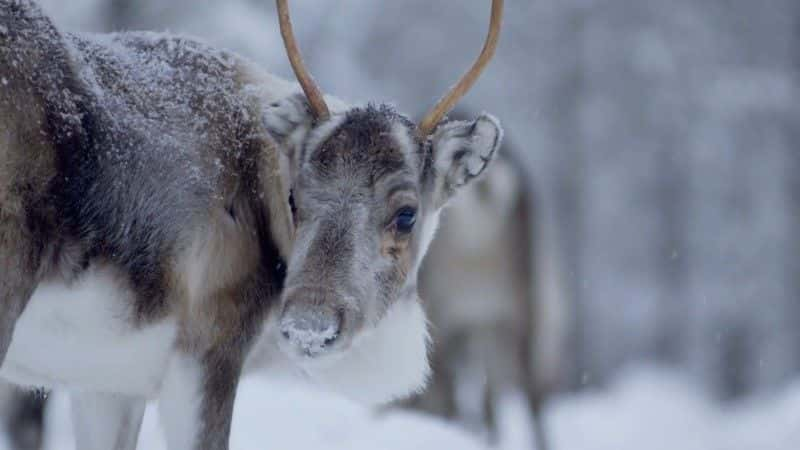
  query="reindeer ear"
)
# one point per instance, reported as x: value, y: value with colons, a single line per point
x: 461, y: 152
x: 287, y: 120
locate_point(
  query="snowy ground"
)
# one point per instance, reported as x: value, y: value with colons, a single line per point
x: 654, y: 409
x: 646, y: 408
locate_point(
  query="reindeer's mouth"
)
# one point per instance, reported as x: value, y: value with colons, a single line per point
x: 384, y: 362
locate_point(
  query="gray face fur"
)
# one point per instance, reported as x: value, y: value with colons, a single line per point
x: 358, y: 179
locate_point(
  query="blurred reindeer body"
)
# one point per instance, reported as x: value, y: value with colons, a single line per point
x: 108, y: 226
x: 129, y: 191
x: 479, y: 283
x: 170, y: 217
x: 119, y: 218
x: 479, y: 269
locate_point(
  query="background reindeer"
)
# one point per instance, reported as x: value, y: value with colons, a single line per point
x: 491, y: 292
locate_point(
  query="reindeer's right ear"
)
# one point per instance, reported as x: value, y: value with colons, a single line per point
x: 461, y: 152
x: 287, y: 120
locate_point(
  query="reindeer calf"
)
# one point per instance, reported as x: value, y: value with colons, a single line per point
x: 171, y: 216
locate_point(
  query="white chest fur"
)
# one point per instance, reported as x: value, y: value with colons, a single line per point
x: 80, y: 336
x: 384, y: 363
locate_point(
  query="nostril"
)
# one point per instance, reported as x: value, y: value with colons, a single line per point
x: 311, y: 329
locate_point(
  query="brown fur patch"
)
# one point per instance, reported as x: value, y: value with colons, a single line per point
x: 398, y: 248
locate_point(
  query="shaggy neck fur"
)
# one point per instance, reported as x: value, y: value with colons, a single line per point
x: 384, y: 363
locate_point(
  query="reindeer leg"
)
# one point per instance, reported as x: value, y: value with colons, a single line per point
x: 22, y: 416
x: 470, y: 388
x: 512, y: 397
x: 536, y: 395
x: 19, y: 261
x: 196, y: 403
x: 106, y: 421
x: 535, y: 401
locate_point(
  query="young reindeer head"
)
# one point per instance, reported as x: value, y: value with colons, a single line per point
x: 367, y: 187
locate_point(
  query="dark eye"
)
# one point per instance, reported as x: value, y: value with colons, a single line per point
x: 405, y: 219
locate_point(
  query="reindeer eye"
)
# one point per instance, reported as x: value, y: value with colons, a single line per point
x: 405, y: 219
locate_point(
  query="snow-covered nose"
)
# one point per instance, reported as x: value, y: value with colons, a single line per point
x: 309, y: 325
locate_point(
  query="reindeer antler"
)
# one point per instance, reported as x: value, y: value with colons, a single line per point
x: 315, y: 100
x: 446, y: 103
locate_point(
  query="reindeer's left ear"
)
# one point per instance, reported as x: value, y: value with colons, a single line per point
x: 287, y: 120
x: 461, y: 152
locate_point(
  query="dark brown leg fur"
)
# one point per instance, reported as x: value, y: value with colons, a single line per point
x: 18, y: 263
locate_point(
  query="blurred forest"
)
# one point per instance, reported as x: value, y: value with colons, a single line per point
x: 662, y: 136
